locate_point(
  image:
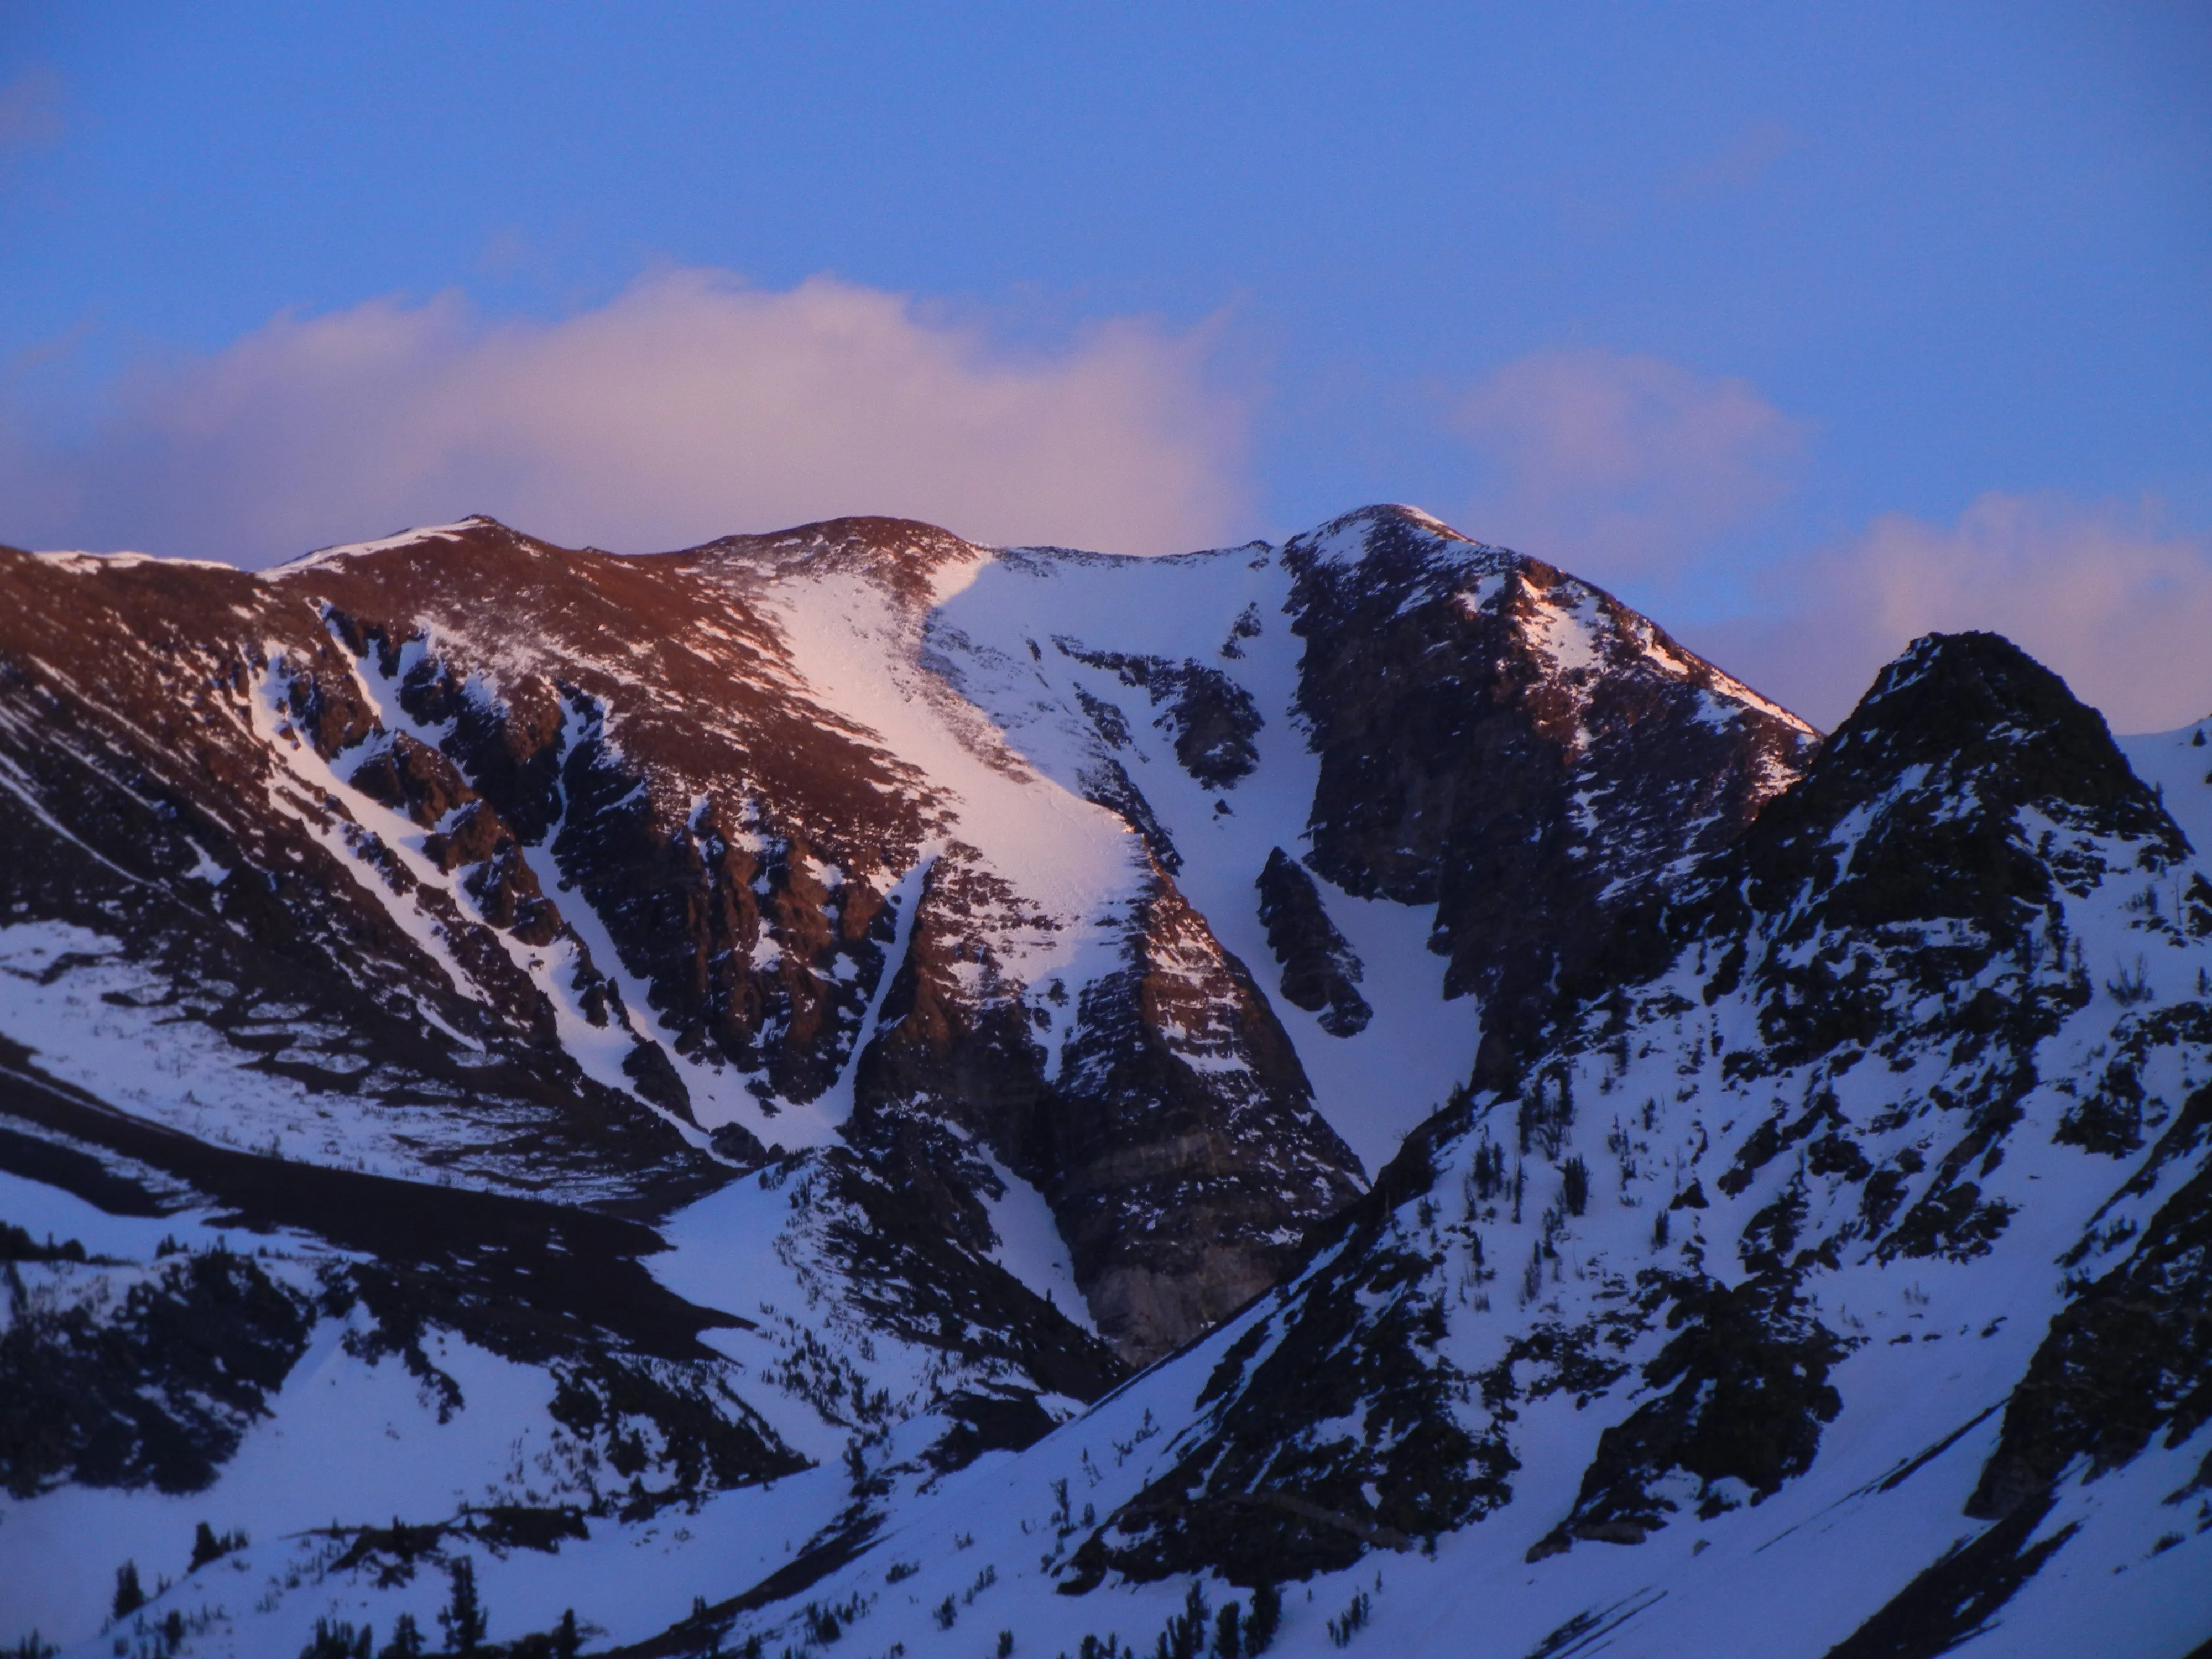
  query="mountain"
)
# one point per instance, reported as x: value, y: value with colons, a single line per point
x: 821, y: 1090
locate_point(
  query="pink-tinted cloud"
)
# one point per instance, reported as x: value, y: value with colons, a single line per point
x: 688, y: 407
x: 1622, y: 467
x: 2112, y: 599
x: 1738, y: 164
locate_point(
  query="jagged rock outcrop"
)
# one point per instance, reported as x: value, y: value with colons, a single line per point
x: 1189, y: 1159
x: 735, y: 837
x: 168, y: 732
x: 1512, y: 746
x: 1321, y: 971
x: 1453, y: 724
x: 1171, y: 1129
x: 1210, y: 716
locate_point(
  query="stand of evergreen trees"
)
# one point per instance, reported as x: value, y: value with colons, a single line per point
x: 464, y: 1620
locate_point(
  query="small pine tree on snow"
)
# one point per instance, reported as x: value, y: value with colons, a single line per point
x: 406, y: 1641
x: 1185, y: 1635
x: 462, y: 1618
x: 129, y: 1597
x: 209, y: 1545
x: 1228, y: 1634
x: 1577, y: 1186
x: 1349, y: 1623
x: 1265, y: 1619
x: 335, y: 1638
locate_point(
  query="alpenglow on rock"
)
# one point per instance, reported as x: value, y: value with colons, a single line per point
x: 822, y: 1088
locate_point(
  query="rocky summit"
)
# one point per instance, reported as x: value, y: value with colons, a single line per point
x: 848, y: 1092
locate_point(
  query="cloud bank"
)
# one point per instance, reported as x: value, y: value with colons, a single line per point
x: 690, y: 406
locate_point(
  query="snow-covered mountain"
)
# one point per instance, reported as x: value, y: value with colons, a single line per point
x: 693, y: 1082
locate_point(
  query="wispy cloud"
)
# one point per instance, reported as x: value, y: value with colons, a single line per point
x: 690, y: 406
x: 2111, y: 598
x: 1740, y: 164
x: 1622, y: 467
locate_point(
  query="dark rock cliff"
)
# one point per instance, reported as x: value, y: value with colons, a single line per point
x: 1512, y: 746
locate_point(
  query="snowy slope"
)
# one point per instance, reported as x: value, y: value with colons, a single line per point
x: 2178, y: 765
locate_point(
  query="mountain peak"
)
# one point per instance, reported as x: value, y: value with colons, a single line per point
x: 477, y: 525
x: 1977, y: 718
x: 905, y: 554
x: 1975, y: 676
x: 1383, y: 531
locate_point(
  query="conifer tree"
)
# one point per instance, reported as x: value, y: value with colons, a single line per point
x: 406, y: 1641
x: 462, y: 1618
x: 1266, y: 1617
x: 335, y: 1638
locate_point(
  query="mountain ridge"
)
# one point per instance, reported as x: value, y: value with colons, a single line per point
x: 912, y: 941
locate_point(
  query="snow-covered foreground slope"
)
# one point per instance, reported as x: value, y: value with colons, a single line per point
x: 691, y: 1082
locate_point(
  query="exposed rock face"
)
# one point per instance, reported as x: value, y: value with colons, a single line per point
x: 1107, y: 785
x: 2128, y: 1362
x: 1512, y: 746
x: 1449, y: 725
x: 166, y: 735
x: 735, y: 837
x: 1211, y: 717
x: 1171, y: 1131
x: 1320, y: 972
x: 1193, y: 1159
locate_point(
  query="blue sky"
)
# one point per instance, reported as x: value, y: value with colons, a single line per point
x: 1805, y: 327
